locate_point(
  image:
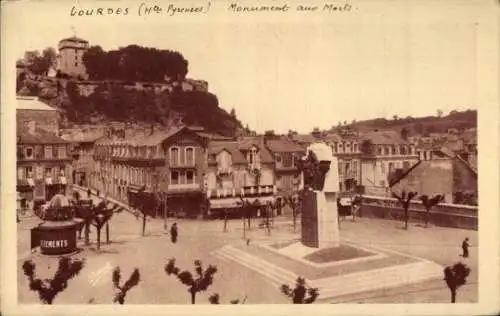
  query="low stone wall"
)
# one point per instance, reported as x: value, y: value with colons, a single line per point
x: 445, y: 215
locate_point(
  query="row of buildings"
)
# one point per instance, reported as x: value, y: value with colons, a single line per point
x: 189, y: 164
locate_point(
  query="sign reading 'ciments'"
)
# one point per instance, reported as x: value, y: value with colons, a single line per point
x: 54, y: 243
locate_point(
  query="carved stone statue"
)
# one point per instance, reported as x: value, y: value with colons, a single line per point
x: 319, y: 206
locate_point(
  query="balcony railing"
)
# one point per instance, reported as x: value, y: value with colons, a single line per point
x: 185, y: 186
x: 247, y: 191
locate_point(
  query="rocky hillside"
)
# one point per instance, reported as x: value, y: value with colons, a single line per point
x: 102, y: 101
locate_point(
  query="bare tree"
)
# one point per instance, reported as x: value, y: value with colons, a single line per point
x: 48, y: 289
x: 429, y: 203
x: 299, y: 293
x: 132, y: 281
x: 405, y: 199
x: 195, y: 283
x: 456, y: 276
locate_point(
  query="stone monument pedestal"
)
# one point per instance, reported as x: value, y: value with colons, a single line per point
x: 319, y: 220
x: 319, y: 202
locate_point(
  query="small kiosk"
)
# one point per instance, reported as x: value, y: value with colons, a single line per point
x: 57, y: 234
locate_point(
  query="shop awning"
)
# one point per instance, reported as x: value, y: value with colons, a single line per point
x: 25, y: 183
x: 235, y: 202
x: 48, y: 181
x: 62, y: 180
x: 31, y: 183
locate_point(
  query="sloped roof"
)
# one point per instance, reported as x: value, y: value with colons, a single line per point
x: 305, y: 138
x: 384, y: 138
x: 82, y: 137
x: 247, y: 142
x: 73, y: 39
x: 32, y: 103
x: 215, y: 147
x: 283, y: 145
x: 40, y: 136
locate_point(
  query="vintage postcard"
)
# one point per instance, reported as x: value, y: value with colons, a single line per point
x: 170, y: 156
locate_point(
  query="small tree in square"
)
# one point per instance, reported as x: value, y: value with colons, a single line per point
x: 429, y: 203
x: 200, y: 281
x: 48, y: 289
x: 122, y: 290
x: 456, y: 276
x: 100, y: 216
x: 300, y: 294
x: 405, y: 200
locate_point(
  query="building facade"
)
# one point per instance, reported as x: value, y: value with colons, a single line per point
x: 236, y: 170
x: 30, y: 109
x: 286, y: 157
x: 348, y: 152
x: 384, y: 154
x: 70, y: 58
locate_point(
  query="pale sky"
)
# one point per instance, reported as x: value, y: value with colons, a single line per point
x: 296, y: 71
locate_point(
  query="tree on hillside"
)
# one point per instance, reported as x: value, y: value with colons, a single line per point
x: 395, y: 117
x: 439, y: 113
x: 122, y: 290
x: 233, y: 112
x: 429, y: 203
x: 456, y: 276
x: 300, y: 294
x: 200, y: 281
x: 39, y: 64
x: 404, y: 199
x: 269, y: 133
x: 291, y: 133
x: 48, y: 289
x: 128, y: 63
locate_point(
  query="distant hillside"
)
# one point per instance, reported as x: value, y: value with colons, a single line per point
x: 111, y: 101
x: 459, y: 120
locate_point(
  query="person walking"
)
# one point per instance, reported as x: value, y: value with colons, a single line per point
x: 465, y: 247
x: 173, y: 233
x: 89, y: 193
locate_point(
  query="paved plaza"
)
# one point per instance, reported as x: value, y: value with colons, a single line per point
x: 236, y: 277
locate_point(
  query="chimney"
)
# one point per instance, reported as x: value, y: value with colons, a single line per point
x: 152, y: 129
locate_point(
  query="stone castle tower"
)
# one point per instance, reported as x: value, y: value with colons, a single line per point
x: 70, y: 58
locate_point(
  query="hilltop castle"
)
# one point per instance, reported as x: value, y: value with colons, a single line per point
x: 70, y: 57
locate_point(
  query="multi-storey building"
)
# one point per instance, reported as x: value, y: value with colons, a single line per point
x: 239, y: 169
x: 170, y: 161
x: 82, y: 153
x: 286, y: 156
x: 30, y: 109
x: 43, y: 159
x: 70, y: 58
x: 384, y: 154
x: 348, y: 152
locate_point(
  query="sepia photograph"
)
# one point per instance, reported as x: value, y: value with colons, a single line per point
x: 248, y: 153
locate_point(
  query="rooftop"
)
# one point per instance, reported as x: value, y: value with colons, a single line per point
x: 73, y: 39
x: 40, y: 136
x: 283, y: 145
x: 384, y: 138
x: 32, y: 103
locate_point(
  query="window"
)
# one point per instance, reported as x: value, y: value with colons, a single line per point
x: 391, y: 167
x: 382, y: 167
x: 402, y: 150
x: 380, y: 150
x: 355, y: 147
x: 174, y: 177
x: 341, y: 147
x: 48, y: 152
x: 278, y: 157
x: 62, y: 151
x: 287, y: 159
x: 386, y: 151
x: 190, y: 156
x: 406, y: 165
x: 48, y: 172
x: 190, y: 177
x: 335, y: 147
x: 252, y: 156
x: 393, y: 150
x: 29, y: 152
x: 29, y: 172
x: 174, y: 156
x: 20, y: 173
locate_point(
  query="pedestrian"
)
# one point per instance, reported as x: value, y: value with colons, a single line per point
x: 173, y: 233
x: 89, y: 193
x: 98, y: 192
x: 465, y: 247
